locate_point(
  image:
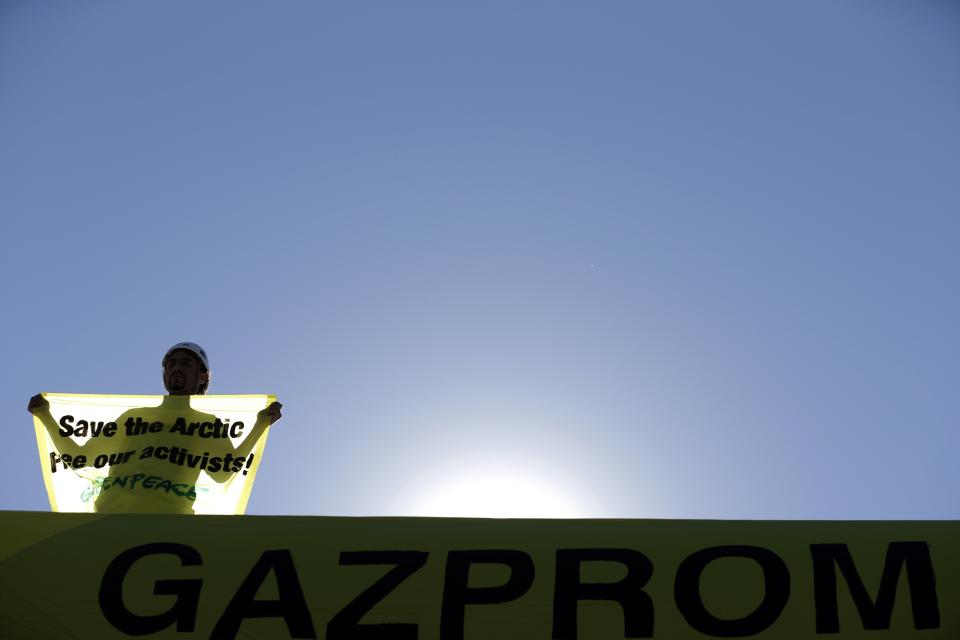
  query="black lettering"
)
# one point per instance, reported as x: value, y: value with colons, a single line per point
x: 140, y: 427
x: 686, y: 591
x: 457, y: 593
x: 875, y: 615
x: 187, y: 592
x: 66, y: 426
x: 345, y: 625
x: 291, y: 605
x: 569, y: 590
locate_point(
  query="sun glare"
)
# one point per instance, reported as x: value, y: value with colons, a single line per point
x: 497, y: 496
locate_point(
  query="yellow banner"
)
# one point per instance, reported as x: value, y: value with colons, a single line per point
x: 94, y: 575
x: 151, y: 454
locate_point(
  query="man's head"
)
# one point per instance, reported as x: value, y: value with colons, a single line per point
x: 186, y: 370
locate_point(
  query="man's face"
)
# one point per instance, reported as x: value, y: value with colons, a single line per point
x: 182, y: 373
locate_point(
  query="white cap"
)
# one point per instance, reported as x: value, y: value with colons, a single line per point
x: 193, y: 348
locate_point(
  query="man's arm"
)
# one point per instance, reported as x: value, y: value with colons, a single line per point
x: 38, y: 403
x: 273, y: 412
x: 39, y: 407
x: 265, y: 418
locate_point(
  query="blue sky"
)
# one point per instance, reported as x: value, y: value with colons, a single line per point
x: 681, y: 259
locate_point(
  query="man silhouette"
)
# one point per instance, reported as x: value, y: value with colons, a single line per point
x: 170, y: 473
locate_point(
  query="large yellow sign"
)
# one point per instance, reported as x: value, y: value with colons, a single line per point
x: 151, y: 454
x: 105, y: 576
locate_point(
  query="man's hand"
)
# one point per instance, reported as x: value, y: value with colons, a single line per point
x: 273, y: 412
x: 39, y: 403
